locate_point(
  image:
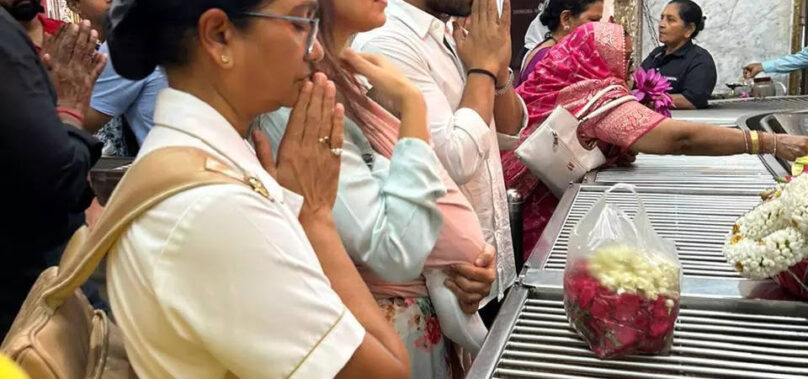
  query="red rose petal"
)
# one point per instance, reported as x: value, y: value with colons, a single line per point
x: 617, y: 325
x: 600, y: 309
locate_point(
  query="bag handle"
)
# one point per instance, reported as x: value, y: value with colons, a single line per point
x: 595, y: 98
x: 609, y: 106
x: 154, y: 178
x: 628, y: 188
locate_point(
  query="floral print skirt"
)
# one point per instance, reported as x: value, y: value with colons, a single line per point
x: 415, y: 321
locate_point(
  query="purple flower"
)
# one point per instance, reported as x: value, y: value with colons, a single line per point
x: 652, y: 89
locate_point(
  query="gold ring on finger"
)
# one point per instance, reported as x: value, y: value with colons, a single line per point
x: 336, y: 151
x: 324, y: 140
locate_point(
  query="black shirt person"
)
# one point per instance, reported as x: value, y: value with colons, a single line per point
x: 690, y: 68
x: 44, y: 155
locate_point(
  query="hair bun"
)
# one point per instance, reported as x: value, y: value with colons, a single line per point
x: 131, y: 38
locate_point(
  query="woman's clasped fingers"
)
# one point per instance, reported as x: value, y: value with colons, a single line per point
x: 337, y: 130
x: 314, y: 112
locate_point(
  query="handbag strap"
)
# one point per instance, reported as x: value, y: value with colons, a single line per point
x: 154, y: 178
x: 595, y: 99
x: 609, y: 106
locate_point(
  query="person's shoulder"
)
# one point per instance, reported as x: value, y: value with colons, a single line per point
x: 698, y: 50
x: 228, y: 205
x: 394, y: 30
x: 656, y: 51
x: 701, y: 53
x: 13, y: 39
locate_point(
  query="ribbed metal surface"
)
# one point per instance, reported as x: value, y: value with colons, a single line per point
x: 710, y: 341
x: 698, y: 223
x: 783, y: 102
x: 655, y: 171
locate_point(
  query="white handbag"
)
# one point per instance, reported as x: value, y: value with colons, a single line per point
x: 553, y: 152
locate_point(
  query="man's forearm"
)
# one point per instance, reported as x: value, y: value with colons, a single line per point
x: 787, y: 63
x: 95, y: 120
x: 508, y: 113
x: 479, y: 96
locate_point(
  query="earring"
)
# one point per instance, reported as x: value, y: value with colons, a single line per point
x: 566, y: 28
x: 225, y: 59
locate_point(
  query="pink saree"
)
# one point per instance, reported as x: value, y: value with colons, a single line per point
x: 593, y: 57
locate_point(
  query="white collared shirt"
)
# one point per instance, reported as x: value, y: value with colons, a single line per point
x: 219, y: 278
x: 422, y: 49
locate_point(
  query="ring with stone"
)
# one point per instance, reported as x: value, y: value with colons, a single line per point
x: 324, y: 140
x: 336, y: 151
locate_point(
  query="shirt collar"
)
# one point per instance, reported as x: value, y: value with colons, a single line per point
x: 682, y: 52
x: 190, y: 115
x: 684, y: 49
x: 422, y: 23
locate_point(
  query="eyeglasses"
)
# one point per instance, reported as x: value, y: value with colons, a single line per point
x: 312, y: 23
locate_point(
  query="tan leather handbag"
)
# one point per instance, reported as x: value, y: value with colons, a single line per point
x: 58, y: 334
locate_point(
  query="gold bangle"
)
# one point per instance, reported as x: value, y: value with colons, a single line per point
x: 755, y: 137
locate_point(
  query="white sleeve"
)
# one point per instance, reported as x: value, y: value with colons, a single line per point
x: 509, y: 142
x: 462, y: 138
x: 389, y: 220
x: 244, y: 281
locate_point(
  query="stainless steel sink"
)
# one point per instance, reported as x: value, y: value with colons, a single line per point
x: 795, y: 123
x: 714, y: 338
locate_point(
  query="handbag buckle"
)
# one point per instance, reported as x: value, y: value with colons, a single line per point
x: 555, y: 141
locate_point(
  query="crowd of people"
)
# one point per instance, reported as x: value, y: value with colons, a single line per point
x: 371, y: 236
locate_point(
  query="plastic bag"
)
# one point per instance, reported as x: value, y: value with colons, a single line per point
x: 622, y: 282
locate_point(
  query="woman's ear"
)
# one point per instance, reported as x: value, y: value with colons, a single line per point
x: 690, y: 29
x: 566, y: 21
x: 215, y: 33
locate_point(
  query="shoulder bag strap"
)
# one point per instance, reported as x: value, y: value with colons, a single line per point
x: 154, y: 178
x: 609, y: 106
x: 595, y: 98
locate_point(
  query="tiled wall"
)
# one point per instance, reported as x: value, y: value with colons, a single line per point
x: 737, y: 32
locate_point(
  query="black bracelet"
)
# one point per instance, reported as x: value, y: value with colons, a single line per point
x: 484, y: 72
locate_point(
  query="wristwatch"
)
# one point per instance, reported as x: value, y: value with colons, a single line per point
x: 507, y: 86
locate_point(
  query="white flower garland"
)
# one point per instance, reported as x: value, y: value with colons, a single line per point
x: 762, y: 221
x: 772, y: 237
x: 626, y: 269
x: 795, y: 199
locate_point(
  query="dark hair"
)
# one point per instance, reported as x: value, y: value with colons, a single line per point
x: 551, y: 16
x: 691, y: 13
x: 349, y: 90
x: 146, y: 33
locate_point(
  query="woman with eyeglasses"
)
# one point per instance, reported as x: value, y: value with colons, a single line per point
x: 227, y: 280
x: 402, y: 218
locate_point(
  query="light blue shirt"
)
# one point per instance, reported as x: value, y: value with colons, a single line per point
x: 386, y: 210
x: 788, y: 63
x: 115, y: 96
